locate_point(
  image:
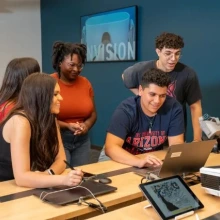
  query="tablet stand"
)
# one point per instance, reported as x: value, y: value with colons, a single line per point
x: 184, y: 215
x: 178, y: 216
x: 147, y: 206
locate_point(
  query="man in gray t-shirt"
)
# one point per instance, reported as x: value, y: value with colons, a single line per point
x: 184, y: 82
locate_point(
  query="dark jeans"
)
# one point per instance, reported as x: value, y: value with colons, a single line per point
x: 77, y: 148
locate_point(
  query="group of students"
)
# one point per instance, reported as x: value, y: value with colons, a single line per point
x: 45, y: 119
x: 40, y: 127
x: 156, y: 117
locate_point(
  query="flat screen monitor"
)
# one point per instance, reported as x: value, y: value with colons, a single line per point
x: 111, y: 35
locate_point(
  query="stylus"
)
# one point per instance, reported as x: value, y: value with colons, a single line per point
x: 72, y: 168
x: 68, y: 165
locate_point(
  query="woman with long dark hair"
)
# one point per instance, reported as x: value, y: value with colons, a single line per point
x: 77, y: 113
x: 16, y: 71
x: 30, y: 140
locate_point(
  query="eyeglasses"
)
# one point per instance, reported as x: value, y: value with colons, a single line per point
x: 169, y: 55
x: 73, y: 65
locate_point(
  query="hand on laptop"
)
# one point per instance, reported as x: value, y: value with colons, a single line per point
x: 150, y: 161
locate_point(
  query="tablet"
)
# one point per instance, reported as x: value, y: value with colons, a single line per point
x: 63, y: 197
x: 170, y: 197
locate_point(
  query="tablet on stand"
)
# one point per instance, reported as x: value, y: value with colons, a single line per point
x: 171, y: 197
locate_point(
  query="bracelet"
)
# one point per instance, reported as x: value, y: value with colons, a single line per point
x: 51, y: 172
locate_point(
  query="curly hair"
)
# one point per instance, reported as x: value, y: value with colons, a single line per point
x: 155, y: 76
x: 63, y: 49
x: 169, y: 40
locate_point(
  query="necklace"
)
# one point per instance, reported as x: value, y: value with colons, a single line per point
x: 151, y: 122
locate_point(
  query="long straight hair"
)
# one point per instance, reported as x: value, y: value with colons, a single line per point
x: 35, y: 99
x: 16, y: 71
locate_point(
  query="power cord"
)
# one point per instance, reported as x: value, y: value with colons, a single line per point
x: 143, y: 180
x: 146, y: 179
x: 192, y: 176
x: 149, y: 177
x: 98, y: 206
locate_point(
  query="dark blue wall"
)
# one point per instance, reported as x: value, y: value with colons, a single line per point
x: 196, y: 21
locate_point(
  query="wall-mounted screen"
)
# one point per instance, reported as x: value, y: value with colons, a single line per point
x: 111, y: 35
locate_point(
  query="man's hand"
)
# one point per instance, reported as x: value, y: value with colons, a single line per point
x: 150, y: 161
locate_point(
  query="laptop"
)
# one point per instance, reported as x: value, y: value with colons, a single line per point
x: 63, y: 196
x: 182, y: 159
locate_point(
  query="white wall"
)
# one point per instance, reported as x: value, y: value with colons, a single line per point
x: 20, y: 31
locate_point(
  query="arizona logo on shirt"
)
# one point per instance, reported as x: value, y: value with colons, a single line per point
x: 145, y: 142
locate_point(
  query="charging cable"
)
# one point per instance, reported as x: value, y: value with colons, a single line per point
x: 98, y: 206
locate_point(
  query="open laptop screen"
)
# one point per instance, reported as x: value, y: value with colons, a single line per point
x: 182, y: 159
x: 186, y: 158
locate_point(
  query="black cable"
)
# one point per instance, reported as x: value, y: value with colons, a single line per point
x: 144, y: 178
x: 192, y: 176
x: 99, y: 206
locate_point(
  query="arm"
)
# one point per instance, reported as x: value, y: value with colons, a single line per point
x: 132, y: 76
x: 179, y: 139
x: 176, y: 127
x: 196, y: 112
x: 113, y: 149
x: 59, y: 166
x: 83, y: 127
x: 74, y: 127
x: 120, y: 126
x: 133, y: 90
x: 193, y: 99
x: 17, y: 132
x: 63, y: 125
x: 88, y: 123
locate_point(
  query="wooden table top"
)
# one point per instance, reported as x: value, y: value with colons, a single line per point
x: 136, y: 211
x: 32, y: 207
x: 9, y: 187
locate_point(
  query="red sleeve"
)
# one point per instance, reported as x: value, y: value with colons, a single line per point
x: 5, y: 109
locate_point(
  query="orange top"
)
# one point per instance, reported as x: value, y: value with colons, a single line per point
x: 5, y: 108
x: 77, y: 104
